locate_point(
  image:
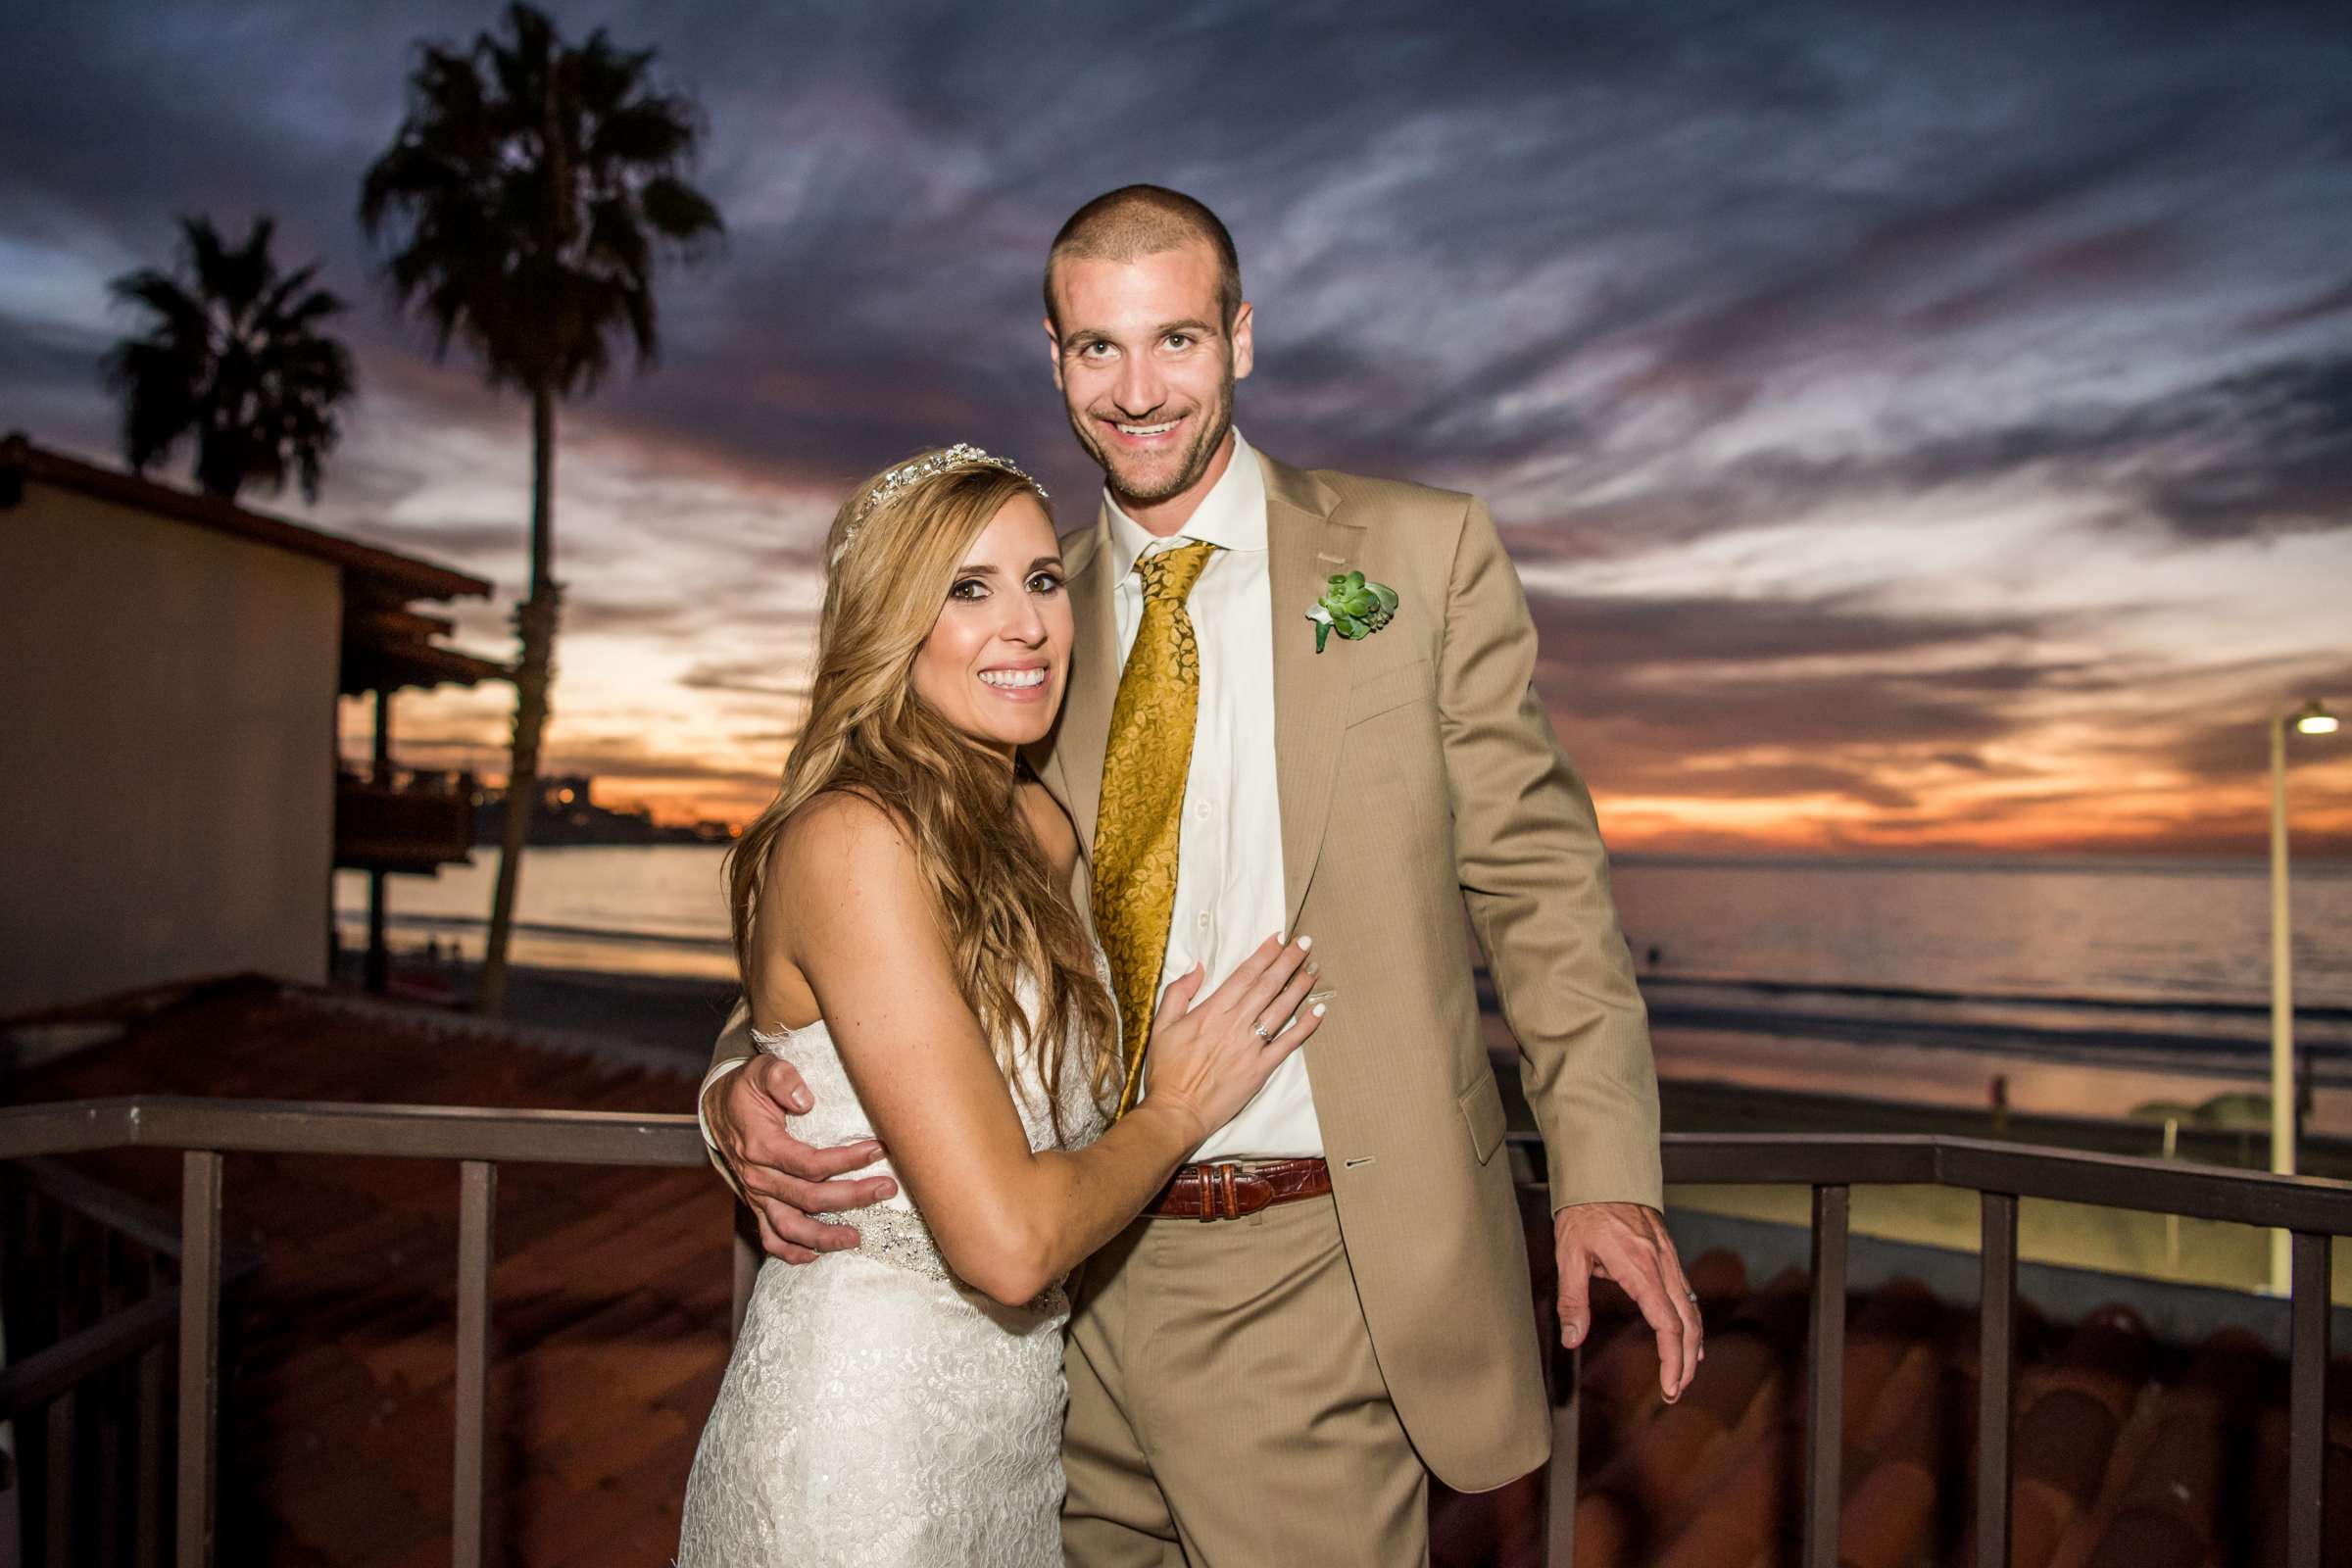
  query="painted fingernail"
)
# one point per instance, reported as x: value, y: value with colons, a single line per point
x: 1304, y: 942
x: 1313, y: 967
x: 1320, y: 1009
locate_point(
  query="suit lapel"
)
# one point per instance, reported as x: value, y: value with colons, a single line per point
x: 1083, y: 733
x: 1305, y: 544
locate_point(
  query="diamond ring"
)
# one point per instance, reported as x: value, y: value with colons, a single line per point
x: 1262, y: 1032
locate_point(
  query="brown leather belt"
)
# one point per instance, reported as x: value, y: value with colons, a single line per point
x: 1230, y: 1191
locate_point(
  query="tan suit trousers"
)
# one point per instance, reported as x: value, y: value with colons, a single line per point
x: 1226, y: 1409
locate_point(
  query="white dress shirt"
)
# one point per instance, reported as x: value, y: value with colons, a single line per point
x: 1228, y: 885
x: 1229, y: 878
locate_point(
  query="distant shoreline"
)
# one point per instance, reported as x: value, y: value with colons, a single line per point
x: 682, y: 1017
x: 1943, y: 1068
x: 715, y: 946
x: 2311, y: 862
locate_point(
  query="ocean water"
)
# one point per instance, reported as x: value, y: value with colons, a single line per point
x: 2087, y: 987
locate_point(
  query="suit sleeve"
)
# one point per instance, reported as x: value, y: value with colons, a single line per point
x: 1535, y: 880
x: 731, y: 1051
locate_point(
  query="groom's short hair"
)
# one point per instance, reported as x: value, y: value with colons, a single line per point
x: 1135, y: 221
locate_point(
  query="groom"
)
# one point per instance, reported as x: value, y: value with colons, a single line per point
x: 1332, y: 1303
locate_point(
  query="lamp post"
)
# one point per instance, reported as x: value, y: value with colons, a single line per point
x: 2309, y: 719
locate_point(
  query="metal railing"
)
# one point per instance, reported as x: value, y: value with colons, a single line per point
x: 89, y: 1283
x: 2314, y: 1211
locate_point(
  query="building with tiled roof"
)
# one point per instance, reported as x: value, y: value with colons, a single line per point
x: 172, y: 666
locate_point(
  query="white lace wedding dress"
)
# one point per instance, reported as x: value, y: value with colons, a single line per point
x: 877, y: 1412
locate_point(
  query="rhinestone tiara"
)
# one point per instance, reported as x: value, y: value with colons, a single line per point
x: 963, y: 455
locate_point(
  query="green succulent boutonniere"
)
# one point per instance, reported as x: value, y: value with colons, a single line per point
x: 1353, y: 608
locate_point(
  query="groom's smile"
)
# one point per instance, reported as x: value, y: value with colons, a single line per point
x: 1145, y: 434
x: 1140, y: 449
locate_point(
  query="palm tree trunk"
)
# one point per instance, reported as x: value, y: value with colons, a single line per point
x: 535, y: 671
x: 219, y: 463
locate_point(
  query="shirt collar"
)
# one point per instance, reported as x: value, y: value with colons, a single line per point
x: 1231, y: 517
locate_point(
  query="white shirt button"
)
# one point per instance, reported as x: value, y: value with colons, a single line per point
x: 1202, y: 919
x: 1203, y: 811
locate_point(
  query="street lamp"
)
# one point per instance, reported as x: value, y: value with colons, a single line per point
x: 2309, y: 719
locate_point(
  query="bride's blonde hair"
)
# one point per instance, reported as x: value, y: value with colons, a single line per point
x: 868, y: 731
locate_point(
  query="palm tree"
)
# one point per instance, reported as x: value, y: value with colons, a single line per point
x: 528, y: 192
x: 232, y: 355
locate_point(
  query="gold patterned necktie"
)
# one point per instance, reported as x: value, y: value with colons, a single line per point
x: 1143, y: 770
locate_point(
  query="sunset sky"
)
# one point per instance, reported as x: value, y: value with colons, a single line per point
x: 1917, y: 427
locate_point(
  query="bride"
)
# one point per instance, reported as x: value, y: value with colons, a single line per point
x: 906, y: 939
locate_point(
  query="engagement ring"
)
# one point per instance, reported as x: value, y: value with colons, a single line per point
x: 1262, y: 1032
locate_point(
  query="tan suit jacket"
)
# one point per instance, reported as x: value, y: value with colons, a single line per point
x: 1419, y: 776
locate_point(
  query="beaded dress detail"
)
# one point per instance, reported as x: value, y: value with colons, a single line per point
x: 878, y: 1412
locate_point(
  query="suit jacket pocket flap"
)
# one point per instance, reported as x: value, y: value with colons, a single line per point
x: 1482, y: 1109
x: 1390, y: 688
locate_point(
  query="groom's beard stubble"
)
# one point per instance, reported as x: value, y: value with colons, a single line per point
x: 1184, y: 474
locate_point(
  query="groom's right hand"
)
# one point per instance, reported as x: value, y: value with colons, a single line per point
x: 784, y: 1180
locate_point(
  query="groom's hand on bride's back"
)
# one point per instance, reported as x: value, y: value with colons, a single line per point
x: 785, y: 1181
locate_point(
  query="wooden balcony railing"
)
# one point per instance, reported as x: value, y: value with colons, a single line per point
x: 399, y: 827
x: 204, y: 1130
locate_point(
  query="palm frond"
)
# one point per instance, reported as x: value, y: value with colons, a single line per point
x: 524, y: 196
x: 681, y: 215
x: 232, y: 357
